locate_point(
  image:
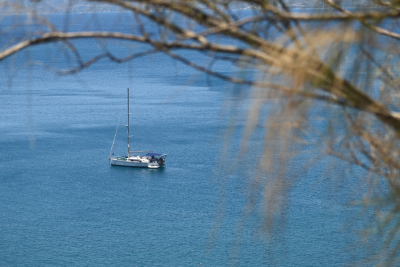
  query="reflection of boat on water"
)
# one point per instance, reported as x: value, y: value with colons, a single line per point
x: 149, y: 160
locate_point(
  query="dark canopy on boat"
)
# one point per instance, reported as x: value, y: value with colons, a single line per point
x: 155, y: 154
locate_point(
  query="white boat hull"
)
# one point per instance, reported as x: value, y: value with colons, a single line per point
x: 135, y: 164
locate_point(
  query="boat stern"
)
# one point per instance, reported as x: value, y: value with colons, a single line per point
x: 153, y: 165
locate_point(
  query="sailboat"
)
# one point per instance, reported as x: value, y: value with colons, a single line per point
x: 149, y: 160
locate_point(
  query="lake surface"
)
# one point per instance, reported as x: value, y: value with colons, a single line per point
x: 62, y: 204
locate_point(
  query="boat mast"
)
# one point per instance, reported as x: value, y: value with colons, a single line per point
x: 128, y: 123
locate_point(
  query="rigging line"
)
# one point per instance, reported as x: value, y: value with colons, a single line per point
x: 116, y: 131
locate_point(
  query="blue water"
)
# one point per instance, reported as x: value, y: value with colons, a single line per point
x: 61, y: 204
